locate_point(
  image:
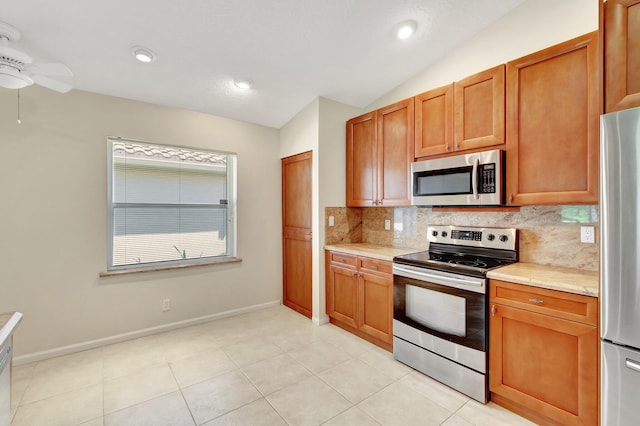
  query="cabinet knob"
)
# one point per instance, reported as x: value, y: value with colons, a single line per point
x: 510, y: 198
x: 493, y: 310
x: 447, y: 147
x: 380, y: 202
x: 457, y: 146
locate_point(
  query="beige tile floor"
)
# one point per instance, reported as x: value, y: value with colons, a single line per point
x: 270, y: 367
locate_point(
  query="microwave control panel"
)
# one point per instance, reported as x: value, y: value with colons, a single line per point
x: 487, y: 178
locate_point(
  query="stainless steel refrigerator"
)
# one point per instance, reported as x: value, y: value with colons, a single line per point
x: 620, y: 267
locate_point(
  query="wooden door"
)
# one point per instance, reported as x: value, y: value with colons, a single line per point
x: 479, y: 110
x: 376, y: 306
x: 552, y: 125
x: 362, y: 161
x: 545, y: 364
x: 434, y: 122
x: 621, y: 54
x: 395, y: 153
x: 342, y: 294
x: 296, y: 233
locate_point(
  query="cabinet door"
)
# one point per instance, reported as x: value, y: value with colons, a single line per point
x: 621, y: 54
x: 545, y: 364
x: 395, y: 153
x: 434, y: 122
x: 479, y: 105
x: 342, y: 295
x: 362, y: 158
x: 552, y: 125
x: 376, y: 306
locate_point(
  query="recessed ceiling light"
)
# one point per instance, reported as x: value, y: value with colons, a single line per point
x: 143, y: 54
x: 243, y: 83
x: 406, y: 29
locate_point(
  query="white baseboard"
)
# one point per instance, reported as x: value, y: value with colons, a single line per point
x: 320, y: 321
x: 92, y: 344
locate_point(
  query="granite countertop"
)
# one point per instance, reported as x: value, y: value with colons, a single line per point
x: 8, y: 323
x: 552, y: 277
x: 371, y: 250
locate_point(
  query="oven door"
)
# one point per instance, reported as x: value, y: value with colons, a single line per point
x: 448, y: 306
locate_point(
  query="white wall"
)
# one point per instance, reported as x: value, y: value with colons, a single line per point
x: 300, y: 135
x: 532, y: 26
x: 332, y: 165
x: 53, y: 175
x: 320, y: 128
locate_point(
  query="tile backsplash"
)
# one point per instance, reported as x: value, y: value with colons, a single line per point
x: 545, y: 235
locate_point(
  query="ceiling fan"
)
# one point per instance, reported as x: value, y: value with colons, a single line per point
x: 17, y: 69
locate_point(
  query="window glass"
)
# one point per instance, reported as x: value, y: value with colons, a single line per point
x: 169, y: 204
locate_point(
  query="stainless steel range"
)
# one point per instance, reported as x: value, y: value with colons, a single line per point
x: 440, y: 314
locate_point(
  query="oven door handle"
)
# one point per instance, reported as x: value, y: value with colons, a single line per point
x: 474, y: 179
x: 468, y: 283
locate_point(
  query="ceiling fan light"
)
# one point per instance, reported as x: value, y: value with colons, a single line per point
x: 143, y: 54
x: 243, y: 83
x: 13, y: 79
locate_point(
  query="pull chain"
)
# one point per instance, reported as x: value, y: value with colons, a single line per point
x: 19, y: 121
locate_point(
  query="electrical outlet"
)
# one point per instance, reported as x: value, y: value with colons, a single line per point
x: 166, y: 305
x: 332, y: 221
x: 387, y: 224
x: 587, y: 234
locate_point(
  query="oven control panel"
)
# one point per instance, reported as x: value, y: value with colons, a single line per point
x: 502, y: 238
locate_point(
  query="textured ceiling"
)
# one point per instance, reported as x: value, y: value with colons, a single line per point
x: 294, y: 50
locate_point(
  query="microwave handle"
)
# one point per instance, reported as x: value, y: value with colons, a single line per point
x: 474, y: 179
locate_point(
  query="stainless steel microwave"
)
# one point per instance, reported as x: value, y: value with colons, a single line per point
x: 462, y: 180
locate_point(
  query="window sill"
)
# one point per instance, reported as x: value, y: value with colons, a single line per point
x: 120, y: 272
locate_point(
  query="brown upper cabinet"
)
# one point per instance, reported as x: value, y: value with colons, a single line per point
x: 552, y: 125
x: 621, y: 54
x: 379, y: 156
x: 465, y: 115
x: 434, y: 122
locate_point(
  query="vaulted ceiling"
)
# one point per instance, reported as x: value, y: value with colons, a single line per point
x: 292, y: 50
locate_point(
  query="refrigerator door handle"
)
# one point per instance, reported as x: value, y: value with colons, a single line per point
x: 634, y: 365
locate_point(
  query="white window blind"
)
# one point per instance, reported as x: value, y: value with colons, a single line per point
x: 169, y: 204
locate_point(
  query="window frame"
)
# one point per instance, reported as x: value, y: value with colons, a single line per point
x: 231, y: 229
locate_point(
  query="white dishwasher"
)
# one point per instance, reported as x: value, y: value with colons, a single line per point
x: 5, y: 384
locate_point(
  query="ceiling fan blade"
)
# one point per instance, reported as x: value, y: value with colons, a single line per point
x: 52, y: 84
x: 51, y: 68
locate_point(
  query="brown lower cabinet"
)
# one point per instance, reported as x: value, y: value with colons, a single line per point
x: 544, y: 353
x: 360, y: 296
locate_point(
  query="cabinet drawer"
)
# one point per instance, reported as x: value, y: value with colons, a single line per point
x: 343, y: 259
x: 375, y: 265
x: 574, y: 307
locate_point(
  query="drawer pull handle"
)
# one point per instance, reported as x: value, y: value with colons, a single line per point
x: 343, y: 261
x: 634, y: 365
x: 374, y: 267
x: 536, y: 301
x: 493, y: 310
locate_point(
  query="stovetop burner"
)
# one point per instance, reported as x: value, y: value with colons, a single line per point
x: 467, y: 251
x: 476, y: 263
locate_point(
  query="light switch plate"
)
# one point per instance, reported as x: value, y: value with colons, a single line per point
x: 332, y: 221
x: 387, y: 224
x: 587, y: 234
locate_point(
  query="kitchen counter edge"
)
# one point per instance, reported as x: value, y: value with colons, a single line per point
x: 9, y: 321
x: 559, y: 278
x: 371, y: 250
